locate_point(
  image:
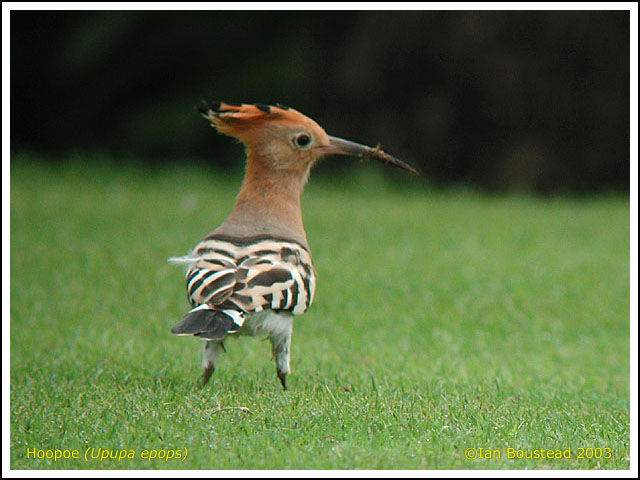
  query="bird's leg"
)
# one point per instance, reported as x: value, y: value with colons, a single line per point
x: 281, y: 343
x: 210, y: 353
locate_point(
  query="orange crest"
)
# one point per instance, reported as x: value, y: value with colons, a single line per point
x: 246, y: 121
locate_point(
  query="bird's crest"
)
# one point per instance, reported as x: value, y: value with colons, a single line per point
x: 234, y: 119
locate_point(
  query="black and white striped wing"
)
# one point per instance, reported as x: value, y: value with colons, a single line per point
x: 270, y: 283
x: 211, y: 280
x: 251, y: 278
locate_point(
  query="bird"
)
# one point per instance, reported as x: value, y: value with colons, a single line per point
x: 254, y: 273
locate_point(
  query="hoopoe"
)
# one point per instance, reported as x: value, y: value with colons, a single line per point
x: 253, y: 273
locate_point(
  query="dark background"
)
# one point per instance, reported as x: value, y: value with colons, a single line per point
x: 534, y: 101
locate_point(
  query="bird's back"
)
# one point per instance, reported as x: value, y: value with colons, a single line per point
x: 251, y: 274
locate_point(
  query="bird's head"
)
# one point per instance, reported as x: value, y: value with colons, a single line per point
x: 284, y: 137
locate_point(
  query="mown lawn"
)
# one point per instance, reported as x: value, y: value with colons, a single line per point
x: 444, y: 321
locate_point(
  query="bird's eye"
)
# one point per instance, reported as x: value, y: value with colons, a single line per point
x: 302, y: 140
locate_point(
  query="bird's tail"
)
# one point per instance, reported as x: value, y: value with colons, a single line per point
x: 208, y: 323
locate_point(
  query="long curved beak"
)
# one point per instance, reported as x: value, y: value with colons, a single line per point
x: 339, y: 146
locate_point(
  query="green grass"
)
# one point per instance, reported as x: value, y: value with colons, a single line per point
x: 443, y: 320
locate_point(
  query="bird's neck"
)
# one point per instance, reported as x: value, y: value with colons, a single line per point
x: 268, y: 202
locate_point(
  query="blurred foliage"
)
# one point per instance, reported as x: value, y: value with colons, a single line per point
x: 527, y: 100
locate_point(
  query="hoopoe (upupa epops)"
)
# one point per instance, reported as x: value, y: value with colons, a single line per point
x: 253, y: 273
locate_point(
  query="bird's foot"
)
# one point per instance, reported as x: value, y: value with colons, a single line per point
x: 206, y: 375
x: 283, y: 379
